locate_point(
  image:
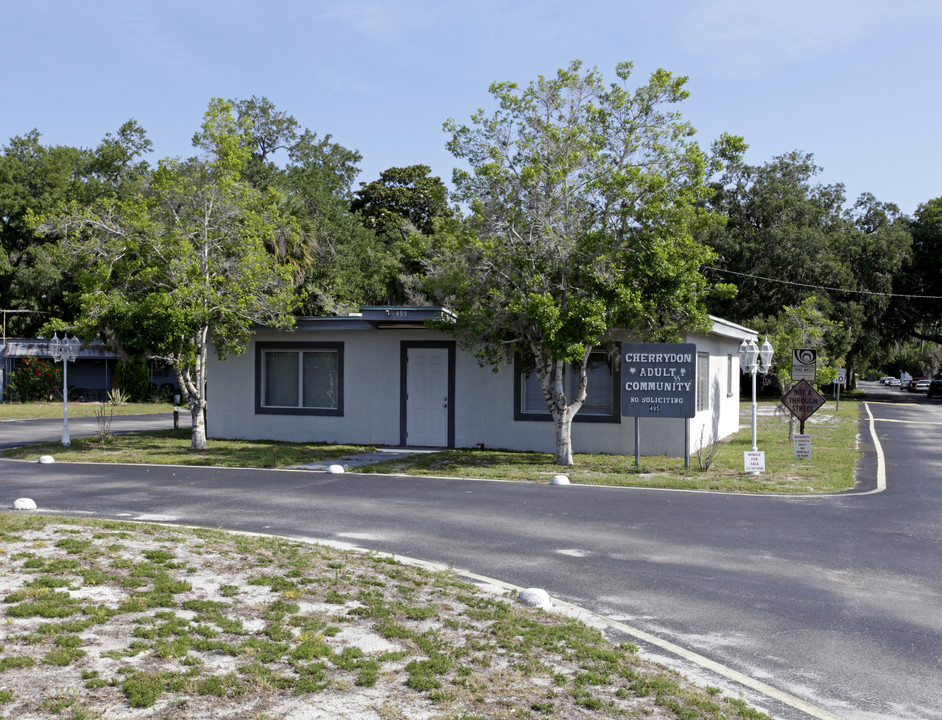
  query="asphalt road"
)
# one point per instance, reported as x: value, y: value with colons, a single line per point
x: 828, y: 606
x: 24, y: 432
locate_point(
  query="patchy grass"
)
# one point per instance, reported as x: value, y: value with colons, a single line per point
x: 39, y: 410
x: 180, y: 623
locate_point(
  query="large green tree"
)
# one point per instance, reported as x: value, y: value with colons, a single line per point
x: 784, y: 232
x: 183, y: 267
x: 585, y: 199
x: 788, y: 238
x: 350, y: 263
x: 403, y: 200
x: 404, y: 207
x: 36, y: 179
x: 338, y: 263
x: 918, y: 310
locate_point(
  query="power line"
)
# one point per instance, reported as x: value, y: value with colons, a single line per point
x: 822, y: 287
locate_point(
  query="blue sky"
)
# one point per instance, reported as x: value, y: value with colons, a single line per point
x: 855, y: 82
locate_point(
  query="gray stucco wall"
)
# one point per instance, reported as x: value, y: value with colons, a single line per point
x: 483, y: 402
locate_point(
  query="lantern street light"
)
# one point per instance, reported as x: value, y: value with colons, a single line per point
x: 65, y: 350
x: 754, y: 359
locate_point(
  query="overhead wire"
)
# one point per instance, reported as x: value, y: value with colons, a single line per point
x: 822, y: 287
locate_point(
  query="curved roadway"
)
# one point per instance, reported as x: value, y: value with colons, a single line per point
x: 823, y: 606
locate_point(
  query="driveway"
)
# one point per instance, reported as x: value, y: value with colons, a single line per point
x: 834, y: 603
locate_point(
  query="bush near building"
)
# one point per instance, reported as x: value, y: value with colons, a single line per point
x: 37, y: 379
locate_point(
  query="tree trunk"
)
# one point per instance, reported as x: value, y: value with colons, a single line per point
x: 564, y: 438
x: 198, y: 440
x: 191, y: 377
x: 552, y: 381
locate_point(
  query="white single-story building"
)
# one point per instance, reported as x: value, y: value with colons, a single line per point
x: 380, y: 377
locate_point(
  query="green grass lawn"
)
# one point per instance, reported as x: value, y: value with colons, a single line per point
x: 831, y: 468
x: 172, y: 447
x: 38, y: 410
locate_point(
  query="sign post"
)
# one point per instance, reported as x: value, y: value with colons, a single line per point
x: 841, y: 380
x: 658, y: 381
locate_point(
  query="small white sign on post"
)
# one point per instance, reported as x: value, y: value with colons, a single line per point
x: 802, y: 447
x: 754, y: 461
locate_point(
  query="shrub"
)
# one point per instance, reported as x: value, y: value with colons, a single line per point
x: 133, y: 379
x: 38, y: 379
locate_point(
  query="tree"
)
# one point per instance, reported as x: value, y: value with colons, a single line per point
x: 36, y: 179
x: 351, y: 262
x: 337, y: 263
x: 404, y: 207
x: 116, y: 161
x: 880, y: 250
x: 270, y: 130
x: 403, y: 200
x: 919, y: 313
x: 788, y: 238
x: 803, y: 326
x: 781, y: 226
x: 585, y: 200
x: 33, y: 179
x: 183, y: 266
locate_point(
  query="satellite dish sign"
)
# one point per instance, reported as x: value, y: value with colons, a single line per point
x: 804, y: 364
x: 659, y: 380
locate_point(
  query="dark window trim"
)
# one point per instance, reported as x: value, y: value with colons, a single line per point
x: 404, y: 346
x: 261, y: 347
x: 615, y: 416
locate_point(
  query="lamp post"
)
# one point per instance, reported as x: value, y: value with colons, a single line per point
x: 754, y: 359
x: 65, y: 350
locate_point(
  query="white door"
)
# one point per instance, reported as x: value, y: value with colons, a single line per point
x: 427, y: 397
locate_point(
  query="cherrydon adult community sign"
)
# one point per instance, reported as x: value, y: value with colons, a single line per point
x: 659, y: 380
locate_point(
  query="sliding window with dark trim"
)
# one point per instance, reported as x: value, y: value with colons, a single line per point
x: 301, y: 378
x: 603, y: 386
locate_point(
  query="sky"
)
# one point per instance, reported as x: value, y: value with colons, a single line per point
x: 856, y: 83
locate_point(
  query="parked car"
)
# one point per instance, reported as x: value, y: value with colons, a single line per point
x: 921, y: 385
x: 911, y: 385
x: 935, y: 387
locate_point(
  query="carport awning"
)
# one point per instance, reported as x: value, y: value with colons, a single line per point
x: 20, y: 348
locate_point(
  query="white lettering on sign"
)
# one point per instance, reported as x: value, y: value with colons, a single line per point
x: 658, y: 379
x: 654, y: 385
x: 658, y: 358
